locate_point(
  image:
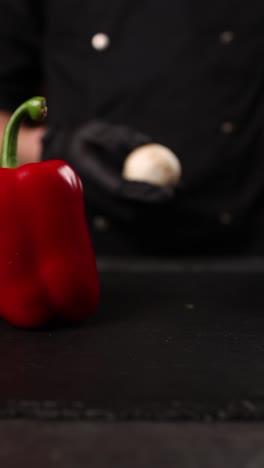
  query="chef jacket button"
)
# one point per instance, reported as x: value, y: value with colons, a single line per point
x: 100, y: 223
x: 226, y: 37
x: 100, y: 41
x: 227, y: 127
x: 225, y: 218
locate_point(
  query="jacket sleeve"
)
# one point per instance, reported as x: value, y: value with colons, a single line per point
x: 20, y: 51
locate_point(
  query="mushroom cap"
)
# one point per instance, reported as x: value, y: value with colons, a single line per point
x: 154, y: 164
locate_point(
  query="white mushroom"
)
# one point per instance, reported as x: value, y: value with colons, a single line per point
x: 153, y: 164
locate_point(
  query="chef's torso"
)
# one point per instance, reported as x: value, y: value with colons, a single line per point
x: 189, y: 74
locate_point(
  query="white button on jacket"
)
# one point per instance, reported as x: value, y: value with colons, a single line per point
x: 100, y: 41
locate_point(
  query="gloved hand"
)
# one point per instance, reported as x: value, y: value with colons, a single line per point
x: 97, y: 152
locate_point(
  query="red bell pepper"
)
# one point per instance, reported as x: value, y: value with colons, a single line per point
x: 47, y: 263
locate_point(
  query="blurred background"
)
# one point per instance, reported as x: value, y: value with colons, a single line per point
x: 123, y: 74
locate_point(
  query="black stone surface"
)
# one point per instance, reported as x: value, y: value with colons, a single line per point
x: 171, y: 341
x: 130, y: 445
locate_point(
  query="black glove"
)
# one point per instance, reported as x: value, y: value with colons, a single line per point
x: 97, y: 151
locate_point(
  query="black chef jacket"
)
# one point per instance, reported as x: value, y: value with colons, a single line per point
x: 189, y: 74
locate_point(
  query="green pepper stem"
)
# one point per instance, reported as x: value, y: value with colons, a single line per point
x: 36, y: 109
